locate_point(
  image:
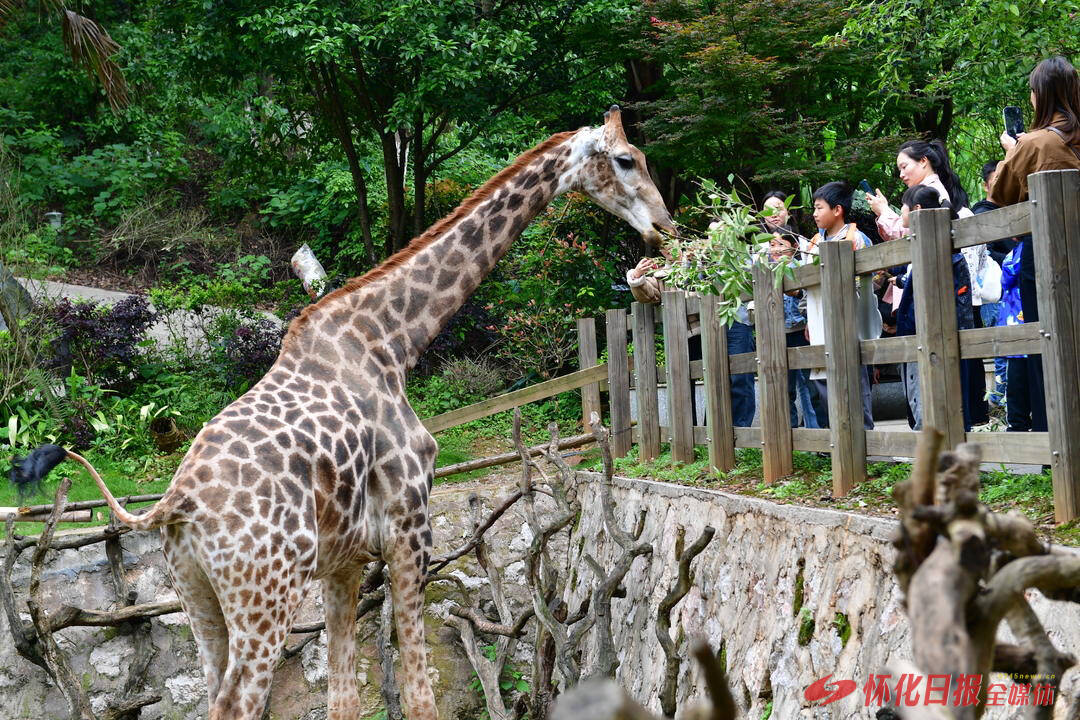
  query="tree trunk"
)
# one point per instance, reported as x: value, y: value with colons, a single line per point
x: 360, y: 186
x: 395, y: 193
x: 419, y: 178
x: 328, y: 92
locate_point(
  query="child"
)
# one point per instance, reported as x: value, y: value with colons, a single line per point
x: 799, y: 388
x: 832, y: 205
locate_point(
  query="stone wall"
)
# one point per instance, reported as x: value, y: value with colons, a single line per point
x: 744, y: 596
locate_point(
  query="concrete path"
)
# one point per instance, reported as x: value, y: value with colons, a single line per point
x: 177, y: 325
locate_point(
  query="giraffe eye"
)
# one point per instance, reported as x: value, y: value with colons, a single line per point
x: 625, y: 162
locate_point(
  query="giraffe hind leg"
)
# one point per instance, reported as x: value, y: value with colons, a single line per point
x: 201, y: 604
x: 339, y: 600
x: 258, y: 622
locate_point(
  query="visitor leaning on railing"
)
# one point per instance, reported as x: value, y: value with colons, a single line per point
x: 832, y: 204
x: 784, y: 244
x: 990, y: 309
x: 924, y: 197
x: 646, y: 281
x: 1052, y: 144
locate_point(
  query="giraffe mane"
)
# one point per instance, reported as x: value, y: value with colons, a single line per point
x: 431, y: 234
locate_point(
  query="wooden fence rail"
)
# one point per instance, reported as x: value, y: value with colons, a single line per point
x: 1052, y: 217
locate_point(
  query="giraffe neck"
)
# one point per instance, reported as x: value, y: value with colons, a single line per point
x: 383, y: 322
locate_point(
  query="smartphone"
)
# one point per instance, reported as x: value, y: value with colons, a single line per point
x: 865, y: 187
x: 1014, y: 120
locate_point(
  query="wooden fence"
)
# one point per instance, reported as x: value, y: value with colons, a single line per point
x: 1053, y: 218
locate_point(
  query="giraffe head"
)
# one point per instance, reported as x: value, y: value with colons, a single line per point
x: 611, y: 171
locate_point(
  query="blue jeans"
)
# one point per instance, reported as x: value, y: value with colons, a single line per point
x: 989, y: 314
x: 799, y: 388
x: 740, y: 339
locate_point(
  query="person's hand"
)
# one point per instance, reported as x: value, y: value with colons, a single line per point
x: 644, y: 265
x: 878, y: 202
x: 1008, y: 141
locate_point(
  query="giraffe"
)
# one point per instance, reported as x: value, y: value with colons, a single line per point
x: 323, y: 467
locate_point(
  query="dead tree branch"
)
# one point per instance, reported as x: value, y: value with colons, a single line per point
x: 607, y: 660
x: 965, y: 569
x: 723, y: 704
x: 389, y: 687
x: 23, y: 634
x: 663, y: 616
x: 57, y: 661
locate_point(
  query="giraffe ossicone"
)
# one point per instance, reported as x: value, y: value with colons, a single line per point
x: 322, y: 466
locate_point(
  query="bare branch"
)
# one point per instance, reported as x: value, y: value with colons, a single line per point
x: 486, y: 671
x: 65, y: 679
x: 716, y: 682
x: 663, y: 617
x: 389, y: 687
x: 443, y: 560
x: 484, y: 625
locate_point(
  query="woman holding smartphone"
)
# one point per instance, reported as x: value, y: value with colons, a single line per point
x: 919, y: 163
x: 1052, y: 144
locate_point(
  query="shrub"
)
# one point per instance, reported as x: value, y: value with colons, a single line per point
x: 248, y: 349
x: 538, y: 339
x: 473, y: 326
x: 480, y: 377
x: 103, y: 343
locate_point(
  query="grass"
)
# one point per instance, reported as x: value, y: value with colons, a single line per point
x: 811, y: 483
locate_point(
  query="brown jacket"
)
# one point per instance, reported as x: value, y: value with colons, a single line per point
x: 1034, y: 152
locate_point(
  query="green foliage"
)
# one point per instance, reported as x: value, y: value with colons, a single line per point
x: 511, y: 680
x: 806, y: 626
x: 800, y: 591
x: 561, y: 269
x: 716, y: 262
x: 38, y: 252
x: 101, y: 183
x: 748, y: 90
x: 842, y: 626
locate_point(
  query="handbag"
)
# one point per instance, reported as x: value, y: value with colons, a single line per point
x: 989, y: 281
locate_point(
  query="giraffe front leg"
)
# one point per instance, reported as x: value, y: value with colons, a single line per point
x: 339, y: 598
x: 407, y: 560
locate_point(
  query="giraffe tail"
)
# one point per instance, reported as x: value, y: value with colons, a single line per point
x: 27, y: 474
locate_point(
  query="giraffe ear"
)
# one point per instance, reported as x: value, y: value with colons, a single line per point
x: 613, y: 129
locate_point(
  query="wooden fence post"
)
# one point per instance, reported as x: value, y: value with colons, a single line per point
x: 717, y: 376
x: 644, y: 333
x: 590, y: 394
x: 938, y: 345
x: 1055, y: 229
x: 843, y: 366
x: 677, y: 360
x: 772, y: 375
x: 618, y: 381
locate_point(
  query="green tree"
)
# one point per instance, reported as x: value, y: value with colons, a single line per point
x: 747, y: 88
x: 938, y: 60
x: 425, y: 79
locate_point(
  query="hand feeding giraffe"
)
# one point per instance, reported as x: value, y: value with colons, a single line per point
x: 322, y: 466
